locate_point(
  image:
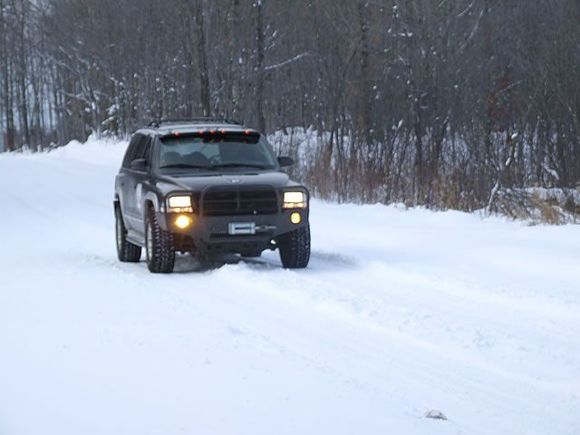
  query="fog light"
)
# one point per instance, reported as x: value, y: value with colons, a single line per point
x: 182, y: 221
x: 295, y: 218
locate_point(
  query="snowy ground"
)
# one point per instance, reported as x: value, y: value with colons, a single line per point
x: 401, y: 312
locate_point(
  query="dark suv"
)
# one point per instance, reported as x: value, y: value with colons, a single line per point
x: 207, y: 187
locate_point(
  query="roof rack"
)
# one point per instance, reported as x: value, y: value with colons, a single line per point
x: 196, y: 120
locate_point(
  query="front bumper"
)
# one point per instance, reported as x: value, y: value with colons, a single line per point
x: 212, y: 233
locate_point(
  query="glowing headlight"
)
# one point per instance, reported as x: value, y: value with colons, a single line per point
x: 180, y: 203
x: 294, y: 200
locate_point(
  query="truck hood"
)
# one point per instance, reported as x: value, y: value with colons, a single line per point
x: 198, y: 183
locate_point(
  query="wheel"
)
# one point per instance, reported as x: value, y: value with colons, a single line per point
x: 126, y: 251
x: 295, y: 248
x: 158, y: 246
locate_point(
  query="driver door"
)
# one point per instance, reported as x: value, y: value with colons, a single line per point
x: 134, y: 186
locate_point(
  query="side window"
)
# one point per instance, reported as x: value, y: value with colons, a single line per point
x: 144, y: 149
x: 132, y: 150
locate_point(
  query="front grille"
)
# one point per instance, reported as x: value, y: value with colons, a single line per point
x: 239, y: 202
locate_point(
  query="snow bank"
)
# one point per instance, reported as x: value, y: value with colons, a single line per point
x: 95, y: 151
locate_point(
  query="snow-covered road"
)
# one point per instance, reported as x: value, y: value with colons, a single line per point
x: 401, y: 312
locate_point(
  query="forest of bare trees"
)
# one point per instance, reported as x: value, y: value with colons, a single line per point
x: 427, y: 102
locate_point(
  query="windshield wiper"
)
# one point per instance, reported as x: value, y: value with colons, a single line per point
x: 239, y: 165
x: 186, y: 166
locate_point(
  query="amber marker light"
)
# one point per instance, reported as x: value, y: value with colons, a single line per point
x: 295, y: 218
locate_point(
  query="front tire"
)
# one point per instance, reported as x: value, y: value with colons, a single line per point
x: 127, y: 252
x: 158, y: 246
x: 295, y: 248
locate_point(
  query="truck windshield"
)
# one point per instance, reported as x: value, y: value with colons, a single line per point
x: 222, y: 152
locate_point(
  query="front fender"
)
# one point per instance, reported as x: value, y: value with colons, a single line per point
x: 151, y: 199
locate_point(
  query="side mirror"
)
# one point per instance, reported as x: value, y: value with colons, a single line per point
x: 139, y: 165
x: 284, y: 162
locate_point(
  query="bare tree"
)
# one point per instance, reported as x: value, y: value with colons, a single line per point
x: 412, y: 100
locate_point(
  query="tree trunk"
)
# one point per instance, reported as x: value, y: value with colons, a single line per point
x: 260, y: 73
x: 22, y: 79
x: 205, y: 93
x: 6, y: 77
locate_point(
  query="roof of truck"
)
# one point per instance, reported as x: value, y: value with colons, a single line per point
x: 193, y: 125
